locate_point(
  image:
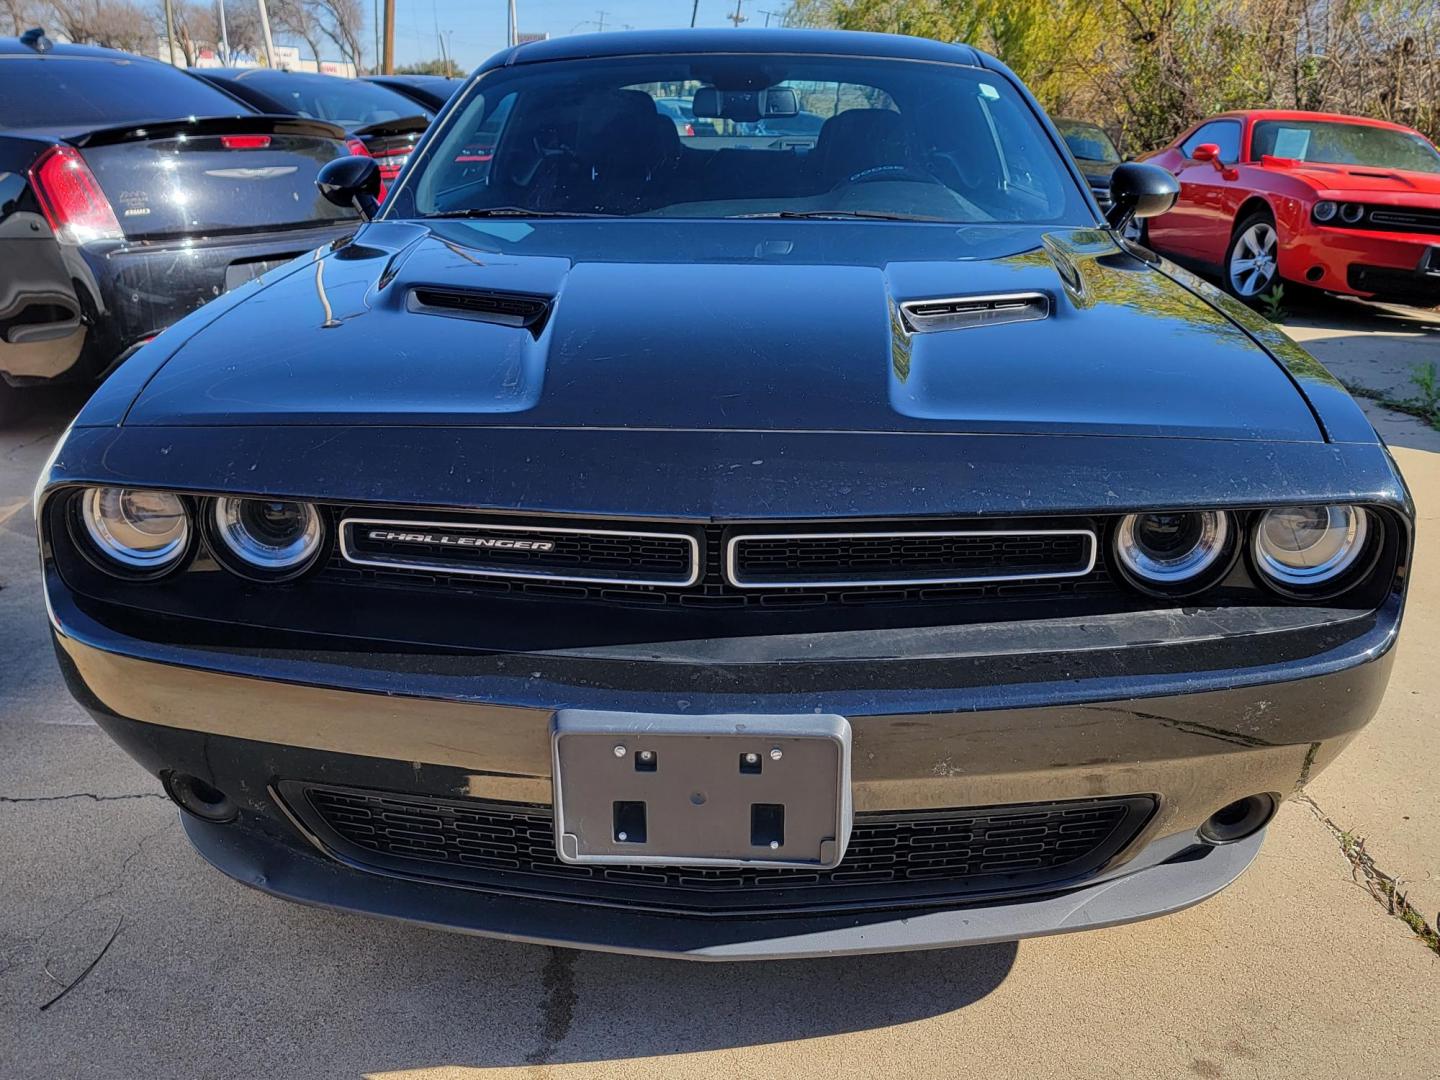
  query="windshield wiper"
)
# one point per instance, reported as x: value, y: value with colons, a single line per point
x: 513, y: 211
x: 869, y: 215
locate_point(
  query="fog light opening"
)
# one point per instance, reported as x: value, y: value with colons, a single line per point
x: 195, y: 796
x: 1240, y: 819
x: 1315, y: 273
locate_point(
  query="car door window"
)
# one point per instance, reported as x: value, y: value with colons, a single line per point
x: 1223, y: 133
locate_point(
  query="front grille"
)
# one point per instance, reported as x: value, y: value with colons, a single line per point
x: 758, y: 560
x: 894, y: 858
x: 875, y: 567
x: 1406, y: 219
x: 604, y: 556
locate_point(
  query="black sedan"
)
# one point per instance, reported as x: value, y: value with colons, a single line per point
x: 942, y: 570
x: 1094, y: 152
x: 116, y: 219
x: 386, y: 123
x: 428, y: 91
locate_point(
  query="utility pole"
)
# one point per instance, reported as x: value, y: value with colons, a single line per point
x: 767, y: 15
x: 387, y: 61
x: 600, y: 24
x: 170, y: 31
x: 737, y: 18
x: 224, y: 34
x: 375, y: 25
x: 265, y: 34
x: 512, y: 30
x: 694, y: 11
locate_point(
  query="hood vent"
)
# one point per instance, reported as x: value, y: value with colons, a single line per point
x: 930, y: 316
x: 501, y: 308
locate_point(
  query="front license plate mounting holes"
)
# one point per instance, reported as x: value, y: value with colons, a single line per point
x: 731, y: 790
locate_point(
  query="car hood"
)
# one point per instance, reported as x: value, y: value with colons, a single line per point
x: 1363, y: 179
x: 755, y: 326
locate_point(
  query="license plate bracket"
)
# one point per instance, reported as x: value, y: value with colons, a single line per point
x: 729, y: 790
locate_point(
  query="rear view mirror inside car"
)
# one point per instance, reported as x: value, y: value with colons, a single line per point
x: 744, y: 106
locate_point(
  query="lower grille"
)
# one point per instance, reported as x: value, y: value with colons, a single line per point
x: 894, y: 858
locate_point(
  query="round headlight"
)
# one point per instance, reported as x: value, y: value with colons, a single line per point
x: 1351, y: 213
x: 1171, y: 551
x: 1325, y: 210
x: 144, y: 531
x: 1305, y: 546
x: 272, y: 536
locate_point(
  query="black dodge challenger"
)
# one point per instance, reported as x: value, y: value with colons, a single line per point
x: 730, y: 547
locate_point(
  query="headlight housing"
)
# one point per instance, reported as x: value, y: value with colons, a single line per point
x: 1175, y: 552
x: 1351, y: 213
x: 135, y: 531
x: 266, y: 538
x: 1325, y: 210
x: 1305, y: 549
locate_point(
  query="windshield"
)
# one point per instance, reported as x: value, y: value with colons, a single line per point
x: 350, y: 103
x: 1088, y: 142
x: 738, y: 135
x: 1343, y: 144
x: 64, y: 91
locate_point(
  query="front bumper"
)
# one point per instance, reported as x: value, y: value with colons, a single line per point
x: 245, y: 723
x: 1365, y: 262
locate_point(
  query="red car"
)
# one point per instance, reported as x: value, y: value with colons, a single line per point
x: 1339, y: 203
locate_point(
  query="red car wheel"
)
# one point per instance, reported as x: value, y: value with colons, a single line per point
x: 1251, y: 267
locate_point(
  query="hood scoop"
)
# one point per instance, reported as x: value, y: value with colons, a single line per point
x: 482, y: 305
x: 958, y: 313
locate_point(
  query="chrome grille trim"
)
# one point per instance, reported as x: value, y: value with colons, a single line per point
x: 732, y: 574
x: 442, y: 567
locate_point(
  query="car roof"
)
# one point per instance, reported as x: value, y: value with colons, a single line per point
x: 240, y: 74
x: 817, y: 42
x: 1302, y: 114
x: 414, y: 80
x: 13, y: 46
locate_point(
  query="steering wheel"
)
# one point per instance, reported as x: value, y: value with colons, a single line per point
x: 890, y: 173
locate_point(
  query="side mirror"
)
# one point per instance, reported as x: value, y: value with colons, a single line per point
x: 1206, y: 151
x: 351, y: 181
x: 1138, y: 190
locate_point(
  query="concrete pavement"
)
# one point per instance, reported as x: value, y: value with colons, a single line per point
x: 1294, y: 971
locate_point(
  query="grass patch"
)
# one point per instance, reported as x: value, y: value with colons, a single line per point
x: 1418, y: 408
x: 1385, y: 889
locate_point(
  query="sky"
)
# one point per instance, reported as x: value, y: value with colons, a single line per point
x: 475, y: 29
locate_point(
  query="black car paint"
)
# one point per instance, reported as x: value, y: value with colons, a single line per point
x: 431, y: 91
x: 69, y: 311
x: 388, y: 138
x: 793, y: 392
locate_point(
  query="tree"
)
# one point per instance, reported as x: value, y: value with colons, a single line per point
x: 1146, y: 69
x: 344, y: 23
x: 115, y: 24
x: 426, y: 67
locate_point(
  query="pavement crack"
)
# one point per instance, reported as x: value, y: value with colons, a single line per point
x: 1385, y: 889
x: 79, y: 795
x: 557, y: 1012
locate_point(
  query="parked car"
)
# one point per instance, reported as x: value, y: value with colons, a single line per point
x: 116, y: 220
x: 429, y: 91
x: 1338, y: 203
x: 681, y: 111
x: 1094, y: 153
x: 388, y: 123
x: 941, y: 570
